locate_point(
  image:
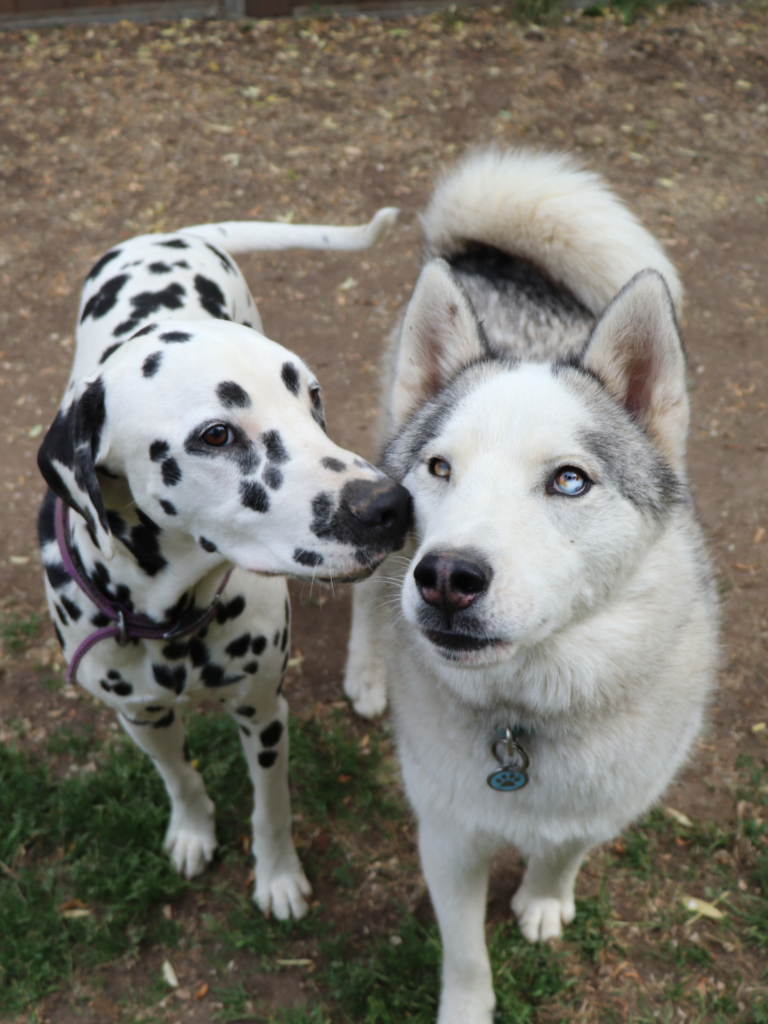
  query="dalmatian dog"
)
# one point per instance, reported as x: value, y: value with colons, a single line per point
x: 189, y: 473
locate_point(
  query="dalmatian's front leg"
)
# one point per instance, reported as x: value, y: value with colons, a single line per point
x: 281, y: 885
x: 191, y: 835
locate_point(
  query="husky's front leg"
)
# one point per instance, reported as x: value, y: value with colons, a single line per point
x: 456, y: 867
x: 545, y: 902
x: 281, y: 885
x: 365, y: 678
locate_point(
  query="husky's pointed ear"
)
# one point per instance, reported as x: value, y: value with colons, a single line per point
x: 636, y: 351
x: 440, y: 335
x: 68, y: 456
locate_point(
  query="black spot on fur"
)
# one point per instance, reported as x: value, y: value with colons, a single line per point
x: 267, y: 758
x: 238, y: 647
x: 151, y: 364
x: 159, y: 268
x: 167, y: 507
x: 253, y: 495
x: 214, y: 676
x: 71, y: 608
x: 304, y: 557
x: 46, y: 519
x: 251, y: 667
x: 122, y: 689
x: 144, y: 330
x: 231, y: 610
x: 207, y: 545
x: 198, y: 652
x: 333, y: 464
x: 226, y: 263
x: 170, y: 472
x: 57, y: 575
x: 291, y: 379
x: 116, y: 522
x: 285, y: 666
x: 153, y: 709
x: 273, y: 442
x: 147, y: 303
x: 284, y: 640
x: 174, y: 243
x: 59, y: 637
x: 113, y: 674
x: 175, y: 336
x: 97, y: 268
x: 144, y: 545
x: 171, y: 677
x: 108, y: 351
x: 232, y: 396
x: 259, y: 644
x: 245, y: 731
x: 60, y: 612
x: 174, y: 650
x: 105, y: 298
x: 273, y: 478
x: 247, y: 711
x: 211, y: 297
x: 158, y: 450
x: 165, y: 721
x: 99, y: 620
x: 276, y: 638
x: 270, y: 736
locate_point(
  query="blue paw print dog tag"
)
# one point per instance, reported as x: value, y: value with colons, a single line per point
x: 514, y: 762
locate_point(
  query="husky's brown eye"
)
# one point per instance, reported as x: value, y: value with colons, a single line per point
x: 218, y: 435
x: 570, y: 481
x: 441, y: 468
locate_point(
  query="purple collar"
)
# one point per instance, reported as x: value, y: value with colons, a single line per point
x: 128, y: 625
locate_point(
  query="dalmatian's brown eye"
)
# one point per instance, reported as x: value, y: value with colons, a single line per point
x: 441, y: 468
x: 218, y: 435
x: 314, y: 394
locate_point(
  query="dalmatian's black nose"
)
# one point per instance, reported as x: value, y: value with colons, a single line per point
x: 376, y: 513
x: 451, y: 580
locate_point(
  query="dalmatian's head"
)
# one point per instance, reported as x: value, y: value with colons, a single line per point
x: 218, y: 434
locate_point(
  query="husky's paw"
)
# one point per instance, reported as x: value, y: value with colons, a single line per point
x: 191, y: 838
x: 541, y: 918
x: 366, y: 687
x: 282, y: 891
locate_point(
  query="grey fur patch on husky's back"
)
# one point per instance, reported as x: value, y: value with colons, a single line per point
x: 522, y: 310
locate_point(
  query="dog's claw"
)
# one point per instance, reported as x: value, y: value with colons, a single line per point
x: 191, y: 840
x: 541, y: 919
x: 283, y: 895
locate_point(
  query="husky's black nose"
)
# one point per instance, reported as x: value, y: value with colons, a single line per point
x: 375, y: 513
x: 451, y: 580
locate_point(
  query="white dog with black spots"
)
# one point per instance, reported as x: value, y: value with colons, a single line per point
x: 189, y: 474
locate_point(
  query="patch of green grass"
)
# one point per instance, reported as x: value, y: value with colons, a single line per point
x: 535, y: 12
x: 332, y: 775
x: 77, y: 744
x: 17, y: 631
x: 591, y: 926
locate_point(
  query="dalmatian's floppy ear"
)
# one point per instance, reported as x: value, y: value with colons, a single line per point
x: 68, y: 456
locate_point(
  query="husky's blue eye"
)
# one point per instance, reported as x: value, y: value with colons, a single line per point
x: 570, y: 481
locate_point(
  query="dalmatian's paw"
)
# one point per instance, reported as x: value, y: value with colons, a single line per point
x: 191, y: 838
x: 282, y: 891
x: 366, y: 687
x: 542, y: 918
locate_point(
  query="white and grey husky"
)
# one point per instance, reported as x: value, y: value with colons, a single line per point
x: 550, y: 645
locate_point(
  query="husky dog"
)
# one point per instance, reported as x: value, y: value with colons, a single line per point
x: 550, y: 642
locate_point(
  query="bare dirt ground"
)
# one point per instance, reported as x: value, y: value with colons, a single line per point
x: 113, y: 131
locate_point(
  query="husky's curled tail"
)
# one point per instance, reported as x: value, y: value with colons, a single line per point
x: 540, y: 245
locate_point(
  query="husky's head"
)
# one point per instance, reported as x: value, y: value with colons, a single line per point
x: 537, y: 488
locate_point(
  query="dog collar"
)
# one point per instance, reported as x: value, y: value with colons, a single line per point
x: 128, y: 625
x: 513, y: 773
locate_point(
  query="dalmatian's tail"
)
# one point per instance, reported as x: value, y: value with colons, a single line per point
x: 238, y: 236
